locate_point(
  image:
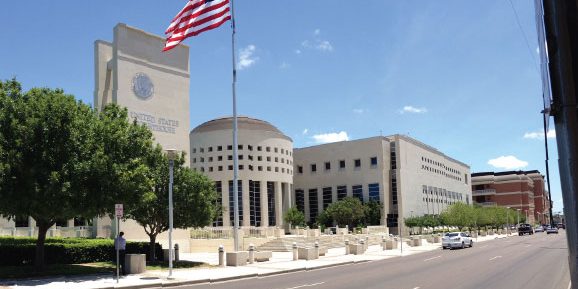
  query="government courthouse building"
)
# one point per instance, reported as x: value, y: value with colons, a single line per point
x: 405, y: 175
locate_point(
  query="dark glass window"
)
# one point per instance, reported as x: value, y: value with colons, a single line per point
x: 373, y: 190
x: 341, y: 192
x: 357, y: 163
x: 357, y: 192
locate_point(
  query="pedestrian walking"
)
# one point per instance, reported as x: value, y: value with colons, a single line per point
x: 120, y: 245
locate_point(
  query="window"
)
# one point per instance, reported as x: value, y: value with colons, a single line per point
x: 327, y: 166
x: 357, y: 163
x: 240, y: 167
x: 230, y: 157
x: 250, y: 147
x: 210, y: 149
x: 373, y: 190
x: 276, y: 159
x: 240, y: 157
x: 300, y: 200
x: 259, y: 148
x: 194, y: 150
x: 268, y: 149
x: 210, y: 159
x: 210, y: 169
x: 260, y: 168
x: 202, y: 150
x: 239, y: 201
x: 342, y: 164
x: 254, y: 203
x: 327, y: 197
x: 220, y: 168
x: 202, y: 160
x: 276, y: 169
x: 313, y: 168
x: 299, y: 169
x: 341, y: 192
x: 220, y: 158
x: 276, y: 150
x: 229, y: 147
x: 357, y: 192
x: 250, y: 167
x: 194, y: 160
x: 282, y: 151
x: 219, y: 148
x: 230, y: 167
x: 240, y: 147
x: 271, y: 202
x: 313, y: 205
x: 268, y: 159
x: 373, y: 161
x: 268, y: 169
x: 259, y: 158
x: 250, y: 157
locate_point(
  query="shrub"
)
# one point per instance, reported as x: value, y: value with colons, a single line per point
x: 21, y: 251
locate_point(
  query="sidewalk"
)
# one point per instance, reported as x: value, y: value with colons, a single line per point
x: 280, y: 263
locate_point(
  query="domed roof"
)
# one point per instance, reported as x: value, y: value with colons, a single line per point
x: 243, y: 123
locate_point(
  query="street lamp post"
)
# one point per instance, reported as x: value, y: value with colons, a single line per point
x: 171, y: 155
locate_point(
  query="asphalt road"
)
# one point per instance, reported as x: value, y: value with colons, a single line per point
x: 539, y: 261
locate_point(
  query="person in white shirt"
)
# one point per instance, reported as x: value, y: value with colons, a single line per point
x: 120, y: 245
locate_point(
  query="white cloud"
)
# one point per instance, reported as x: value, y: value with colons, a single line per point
x: 246, y: 57
x: 317, y: 31
x: 507, y: 162
x: 297, y: 51
x: 411, y: 109
x: 324, y: 45
x: 540, y: 135
x: 317, y: 44
x: 358, y: 110
x: 330, y: 137
x: 305, y: 131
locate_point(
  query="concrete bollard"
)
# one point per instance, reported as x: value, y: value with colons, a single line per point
x: 251, y: 253
x: 362, y: 245
x: 366, y: 242
x: 221, y: 256
x: 383, y: 246
x: 347, y: 252
x: 316, y: 250
x: 295, y: 255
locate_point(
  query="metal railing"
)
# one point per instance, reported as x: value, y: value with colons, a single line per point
x: 484, y: 192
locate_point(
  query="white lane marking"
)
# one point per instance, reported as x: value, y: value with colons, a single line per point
x: 432, y: 258
x: 418, y: 287
x: 306, y: 285
x: 494, y: 258
x: 570, y: 285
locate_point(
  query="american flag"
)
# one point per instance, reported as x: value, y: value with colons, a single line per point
x: 196, y: 17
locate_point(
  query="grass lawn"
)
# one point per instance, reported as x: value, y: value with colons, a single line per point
x: 21, y: 272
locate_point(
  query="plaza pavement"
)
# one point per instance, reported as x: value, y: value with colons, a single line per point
x: 281, y: 262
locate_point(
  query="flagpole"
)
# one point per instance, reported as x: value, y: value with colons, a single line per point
x: 235, y: 151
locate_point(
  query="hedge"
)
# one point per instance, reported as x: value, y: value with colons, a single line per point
x: 21, y: 251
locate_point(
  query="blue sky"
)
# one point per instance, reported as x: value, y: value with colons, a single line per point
x: 457, y: 75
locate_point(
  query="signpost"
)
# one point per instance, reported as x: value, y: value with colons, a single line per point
x: 118, y: 210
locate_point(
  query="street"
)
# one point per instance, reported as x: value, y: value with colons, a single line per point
x: 539, y: 261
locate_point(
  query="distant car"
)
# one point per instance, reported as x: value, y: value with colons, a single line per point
x: 551, y: 230
x: 539, y: 229
x: 561, y: 226
x: 525, y: 229
x: 457, y: 240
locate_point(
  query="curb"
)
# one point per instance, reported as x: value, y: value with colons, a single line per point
x: 286, y: 271
x: 224, y: 279
x: 148, y: 285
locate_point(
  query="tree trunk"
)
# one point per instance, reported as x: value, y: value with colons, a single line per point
x: 39, y: 258
x: 152, y: 254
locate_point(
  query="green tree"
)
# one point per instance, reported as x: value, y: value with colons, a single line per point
x: 349, y: 211
x: 412, y: 222
x: 373, y: 213
x: 459, y: 215
x: 60, y: 159
x: 294, y: 217
x: 194, y: 198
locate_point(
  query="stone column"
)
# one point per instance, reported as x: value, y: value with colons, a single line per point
x: 278, y: 204
x: 264, y: 205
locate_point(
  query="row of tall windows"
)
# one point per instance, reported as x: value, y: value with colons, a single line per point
x: 219, y: 189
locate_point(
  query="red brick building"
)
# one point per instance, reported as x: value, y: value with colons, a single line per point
x: 523, y: 190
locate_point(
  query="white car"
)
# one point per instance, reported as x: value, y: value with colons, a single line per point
x: 457, y: 240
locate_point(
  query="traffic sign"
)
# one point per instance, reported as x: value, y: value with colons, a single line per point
x: 118, y: 210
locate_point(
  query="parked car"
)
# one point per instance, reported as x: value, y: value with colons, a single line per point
x: 561, y: 226
x: 457, y: 240
x: 525, y: 229
x: 539, y: 229
x: 552, y: 230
